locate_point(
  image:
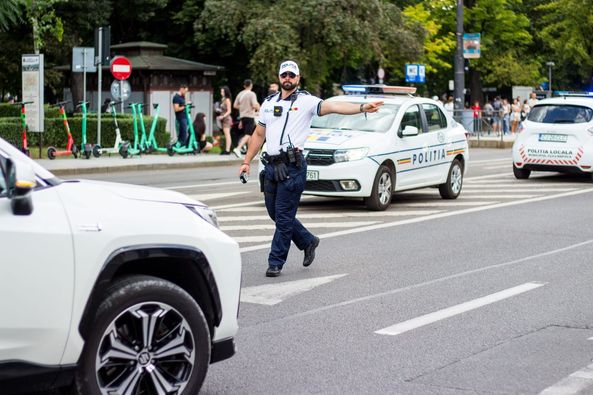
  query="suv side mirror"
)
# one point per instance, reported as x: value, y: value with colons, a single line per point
x: 18, y: 187
x: 409, y: 130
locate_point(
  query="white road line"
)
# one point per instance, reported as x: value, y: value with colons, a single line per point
x: 246, y: 209
x: 573, y: 384
x: 509, y: 196
x: 484, y: 184
x: 336, y: 215
x: 537, y: 190
x: 251, y: 203
x: 271, y: 294
x: 436, y: 216
x: 507, y: 166
x: 502, y: 176
x: 449, y: 203
x: 436, y: 281
x: 214, y: 184
x: 471, y: 162
x: 431, y: 318
x: 253, y: 239
x: 212, y: 196
x: 315, y: 225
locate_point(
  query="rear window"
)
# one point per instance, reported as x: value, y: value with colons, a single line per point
x: 560, y: 113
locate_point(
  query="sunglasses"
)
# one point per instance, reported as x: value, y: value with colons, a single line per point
x: 287, y: 74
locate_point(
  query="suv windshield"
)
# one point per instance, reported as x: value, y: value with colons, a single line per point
x: 560, y: 113
x: 379, y: 121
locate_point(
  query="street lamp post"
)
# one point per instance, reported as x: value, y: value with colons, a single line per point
x: 550, y: 65
x: 459, y: 90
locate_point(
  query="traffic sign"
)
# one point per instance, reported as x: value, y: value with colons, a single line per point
x: 120, y: 90
x: 121, y: 68
x: 416, y: 73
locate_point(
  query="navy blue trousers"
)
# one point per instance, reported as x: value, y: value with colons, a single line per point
x: 282, y: 201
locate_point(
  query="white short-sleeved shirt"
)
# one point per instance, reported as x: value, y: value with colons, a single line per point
x: 300, y: 113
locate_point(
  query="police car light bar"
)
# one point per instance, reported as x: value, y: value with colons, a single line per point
x: 378, y: 89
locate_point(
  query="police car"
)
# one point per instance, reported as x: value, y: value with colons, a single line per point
x: 409, y: 143
x: 557, y: 136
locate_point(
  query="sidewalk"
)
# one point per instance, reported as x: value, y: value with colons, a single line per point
x: 115, y: 163
x: 491, y: 141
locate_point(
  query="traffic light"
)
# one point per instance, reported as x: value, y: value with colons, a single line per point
x: 105, y: 34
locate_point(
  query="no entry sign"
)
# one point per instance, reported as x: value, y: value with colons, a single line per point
x: 121, y: 68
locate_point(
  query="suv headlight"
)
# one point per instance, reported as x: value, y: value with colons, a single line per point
x: 206, y: 213
x: 347, y: 155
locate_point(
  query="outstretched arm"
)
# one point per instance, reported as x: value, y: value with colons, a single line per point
x: 346, y: 108
x: 257, y: 140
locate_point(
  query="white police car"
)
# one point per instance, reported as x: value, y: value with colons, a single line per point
x: 409, y: 143
x: 557, y: 136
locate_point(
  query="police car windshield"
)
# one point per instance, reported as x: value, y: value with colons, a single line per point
x: 379, y: 121
x: 560, y: 113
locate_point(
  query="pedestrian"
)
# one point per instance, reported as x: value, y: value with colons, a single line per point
x: 532, y: 99
x: 477, y: 114
x: 225, y: 118
x: 284, y: 120
x: 488, y: 114
x: 200, y: 131
x: 273, y: 88
x: 450, y: 105
x: 105, y: 107
x: 180, y: 116
x: 246, y: 103
x: 515, y: 115
x: 10, y: 99
x: 506, y: 115
x: 497, y: 115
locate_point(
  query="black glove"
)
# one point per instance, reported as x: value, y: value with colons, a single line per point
x: 280, y: 172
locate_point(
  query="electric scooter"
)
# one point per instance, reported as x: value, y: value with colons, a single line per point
x: 126, y: 149
x: 97, y: 149
x: 151, y: 144
x: 192, y: 146
x: 24, y: 127
x: 71, y: 148
x: 85, y: 148
x: 143, y: 144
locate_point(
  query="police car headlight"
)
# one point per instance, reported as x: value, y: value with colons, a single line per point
x: 206, y: 213
x: 348, y: 155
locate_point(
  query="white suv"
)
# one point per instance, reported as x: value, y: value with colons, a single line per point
x: 557, y: 136
x: 116, y: 288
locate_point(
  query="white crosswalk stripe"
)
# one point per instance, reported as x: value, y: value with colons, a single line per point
x: 244, y: 217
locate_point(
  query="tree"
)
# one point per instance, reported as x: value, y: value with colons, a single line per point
x: 327, y: 37
x: 565, y: 29
x: 10, y: 13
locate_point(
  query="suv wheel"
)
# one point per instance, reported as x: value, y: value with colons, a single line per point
x: 382, y: 191
x: 452, y: 188
x: 149, y: 336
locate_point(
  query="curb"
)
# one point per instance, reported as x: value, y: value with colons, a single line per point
x: 490, y: 144
x: 142, y: 166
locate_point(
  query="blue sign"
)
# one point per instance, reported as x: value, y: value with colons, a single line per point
x: 471, y: 45
x: 416, y: 73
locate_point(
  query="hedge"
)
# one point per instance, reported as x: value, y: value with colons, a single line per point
x: 55, y: 135
x: 14, y: 110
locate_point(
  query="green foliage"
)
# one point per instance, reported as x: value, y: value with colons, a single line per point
x: 326, y: 37
x: 14, y: 110
x: 9, y: 13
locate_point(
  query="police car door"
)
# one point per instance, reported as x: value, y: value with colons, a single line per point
x: 36, y: 276
x: 436, y: 159
x: 412, y: 146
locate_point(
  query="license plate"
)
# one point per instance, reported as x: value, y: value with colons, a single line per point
x: 312, y: 175
x: 554, y: 138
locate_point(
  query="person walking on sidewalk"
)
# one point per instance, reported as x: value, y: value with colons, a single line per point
x: 284, y: 120
x: 225, y: 118
x: 246, y: 103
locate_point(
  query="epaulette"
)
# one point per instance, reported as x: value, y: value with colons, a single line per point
x: 271, y: 96
x: 303, y: 92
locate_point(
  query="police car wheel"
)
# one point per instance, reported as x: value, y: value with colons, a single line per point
x: 382, y: 191
x: 452, y: 188
x: 521, y: 174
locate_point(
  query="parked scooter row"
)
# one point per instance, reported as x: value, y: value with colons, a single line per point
x: 142, y: 143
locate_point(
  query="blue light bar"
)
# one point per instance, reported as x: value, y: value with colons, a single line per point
x: 354, y: 88
x: 378, y: 90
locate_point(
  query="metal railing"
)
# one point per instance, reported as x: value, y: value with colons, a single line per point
x: 487, y: 124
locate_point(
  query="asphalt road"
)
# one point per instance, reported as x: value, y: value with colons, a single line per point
x: 487, y: 294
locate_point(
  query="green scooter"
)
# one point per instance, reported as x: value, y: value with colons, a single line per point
x: 86, y: 149
x: 126, y: 150
x: 192, y: 146
x: 97, y: 149
x: 151, y: 144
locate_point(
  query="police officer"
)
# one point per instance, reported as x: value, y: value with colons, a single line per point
x: 284, y: 120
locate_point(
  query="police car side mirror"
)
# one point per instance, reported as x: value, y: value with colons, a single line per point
x: 409, y: 131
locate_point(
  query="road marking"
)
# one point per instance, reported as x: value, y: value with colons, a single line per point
x: 203, y: 185
x: 507, y: 166
x: 307, y: 225
x: 573, y: 384
x: 436, y: 216
x: 509, y: 196
x: 243, y: 209
x: 472, y: 162
x: 252, y: 203
x: 503, y: 176
x: 336, y: 215
x: 211, y: 196
x: 431, y: 318
x: 271, y: 294
x: 253, y: 239
x: 538, y: 190
x: 449, y: 203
